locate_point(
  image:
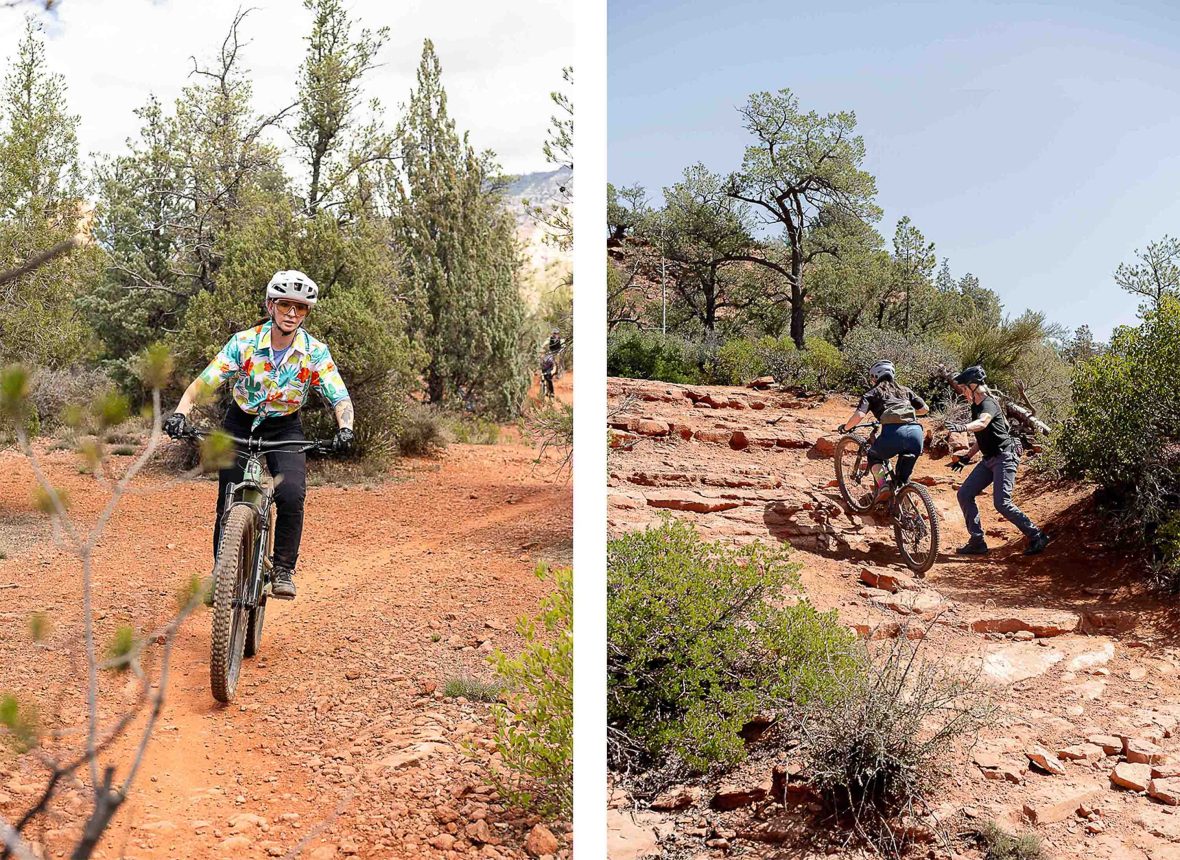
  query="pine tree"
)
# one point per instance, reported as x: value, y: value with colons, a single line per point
x: 460, y: 258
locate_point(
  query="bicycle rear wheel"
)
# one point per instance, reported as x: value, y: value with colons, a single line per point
x: 231, y: 578
x: 852, y: 472
x: 258, y: 613
x: 915, y: 527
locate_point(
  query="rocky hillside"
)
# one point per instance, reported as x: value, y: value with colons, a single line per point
x: 547, y: 263
x: 1082, y: 661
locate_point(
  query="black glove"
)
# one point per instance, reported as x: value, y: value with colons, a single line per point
x: 343, y: 440
x: 959, y: 466
x: 176, y: 425
x: 956, y: 428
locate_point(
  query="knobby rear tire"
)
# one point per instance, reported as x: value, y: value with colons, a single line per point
x: 230, y: 576
x: 918, y: 564
x: 856, y: 449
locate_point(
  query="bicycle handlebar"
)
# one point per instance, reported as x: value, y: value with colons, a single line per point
x: 322, y: 446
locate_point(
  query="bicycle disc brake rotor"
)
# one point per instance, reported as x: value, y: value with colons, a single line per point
x: 912, y: 523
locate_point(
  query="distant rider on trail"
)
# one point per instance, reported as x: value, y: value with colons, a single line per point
x: 897, y: 409
x: 273, y: 366
x: 555, y: 346
x: 1001, y: 456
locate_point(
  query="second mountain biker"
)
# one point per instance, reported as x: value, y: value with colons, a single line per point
x: 273, y: 367
x: 897, y: 409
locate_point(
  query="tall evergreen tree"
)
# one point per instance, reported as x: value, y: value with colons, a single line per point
x: 40, y: 206
x: 460, y: 257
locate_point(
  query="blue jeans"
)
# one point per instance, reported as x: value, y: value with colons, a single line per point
x: 1000, y: 472
x: 903, y: 441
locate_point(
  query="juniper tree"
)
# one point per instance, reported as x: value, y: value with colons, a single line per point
x: 333, y: 142
x: 40, y: 207
x: 459, y: 257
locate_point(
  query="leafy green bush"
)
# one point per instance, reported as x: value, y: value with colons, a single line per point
x: 649, y: 355
x: 19, y: 723
x: 1123, y: 433
x: 738, y: 361
x: 535, y: 729
x: 825, y: 364
x: 914, y: 360
x: 700, y: 640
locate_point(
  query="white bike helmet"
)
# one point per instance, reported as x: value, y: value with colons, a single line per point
x: 883, y: 367
x: 293, y: 286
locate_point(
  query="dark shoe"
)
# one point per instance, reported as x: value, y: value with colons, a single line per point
x: 973, y: 547
x: 1037, y: 544
x: 283, y: 586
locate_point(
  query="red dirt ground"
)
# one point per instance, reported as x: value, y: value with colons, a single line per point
x: 1114, y: 669
x: 403, y: 584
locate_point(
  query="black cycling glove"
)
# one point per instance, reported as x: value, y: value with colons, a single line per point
x: 956, y: 428
x: 960, y: 465
x: 343, y: 440
x: 176, y: 425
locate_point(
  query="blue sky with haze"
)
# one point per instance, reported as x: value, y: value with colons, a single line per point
x: 1038, y: 145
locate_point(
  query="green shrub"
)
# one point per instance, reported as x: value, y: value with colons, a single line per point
x: 1123, y: 432
x: 874, y: 751
x: 914, y: 360
x: 649, y: 355
x: 472, y: 430
x: 700, y: 640
x: 534, y: 730
x: 52, y: 392
x: 998, y: 844
x: 825, y: 364
x: 421, y: 432
x: 472, y: 689
x: 738, y: 361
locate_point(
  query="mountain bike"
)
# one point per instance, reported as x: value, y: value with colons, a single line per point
x: 910, y: 508
x: 243, y: 568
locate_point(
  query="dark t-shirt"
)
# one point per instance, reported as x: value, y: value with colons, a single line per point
x: 996, y: 436
x: 875, y: 401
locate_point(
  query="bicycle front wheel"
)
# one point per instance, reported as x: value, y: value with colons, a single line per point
x: 231, y: 576
x: 258, y: 614
x: 915, y: 527
x: 852, y: 472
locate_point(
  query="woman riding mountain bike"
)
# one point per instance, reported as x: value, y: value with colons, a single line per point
x: 897, y: 409
x: 273, y: 367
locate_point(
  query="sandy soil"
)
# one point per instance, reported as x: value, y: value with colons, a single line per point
x: 340, y: 721
x: 1071, y: 642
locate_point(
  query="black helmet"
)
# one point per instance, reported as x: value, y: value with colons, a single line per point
x: 973, y: 375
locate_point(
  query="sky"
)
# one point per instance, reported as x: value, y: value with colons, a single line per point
x: 1034, y: 143
x: 499, y: 61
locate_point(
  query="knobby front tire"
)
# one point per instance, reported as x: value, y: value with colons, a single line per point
x: 231, y: 576
x: 258, y: 614
x: 918, y: 543
x: 852, y: 472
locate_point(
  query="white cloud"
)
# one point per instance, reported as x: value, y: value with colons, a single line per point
x: 499, y: 60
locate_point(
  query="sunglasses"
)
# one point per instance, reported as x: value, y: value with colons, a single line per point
x: 284, y: 307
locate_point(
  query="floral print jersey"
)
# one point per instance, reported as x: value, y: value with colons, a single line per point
x: 266, y: 391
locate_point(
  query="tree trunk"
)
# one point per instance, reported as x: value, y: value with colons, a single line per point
x: 797, y: 300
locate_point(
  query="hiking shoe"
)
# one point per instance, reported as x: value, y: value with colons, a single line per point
x: 1037, y: 544
x: 283, y: 586
x: 973, y: 547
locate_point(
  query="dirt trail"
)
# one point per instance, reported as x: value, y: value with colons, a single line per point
x: 1071, y: 641
x: 402, y: 585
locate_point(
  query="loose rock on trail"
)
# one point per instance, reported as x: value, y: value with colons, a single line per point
x: 340, y: 721
x: 1082, y: 658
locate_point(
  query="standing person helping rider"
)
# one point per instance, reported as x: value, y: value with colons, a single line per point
x: 901, y: 436
x: 1001, y: 456
x: 274, y: 366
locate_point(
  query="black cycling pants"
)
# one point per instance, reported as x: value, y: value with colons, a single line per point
x: 289, y: 470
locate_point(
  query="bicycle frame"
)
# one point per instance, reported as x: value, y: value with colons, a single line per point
x: 253, y: 492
